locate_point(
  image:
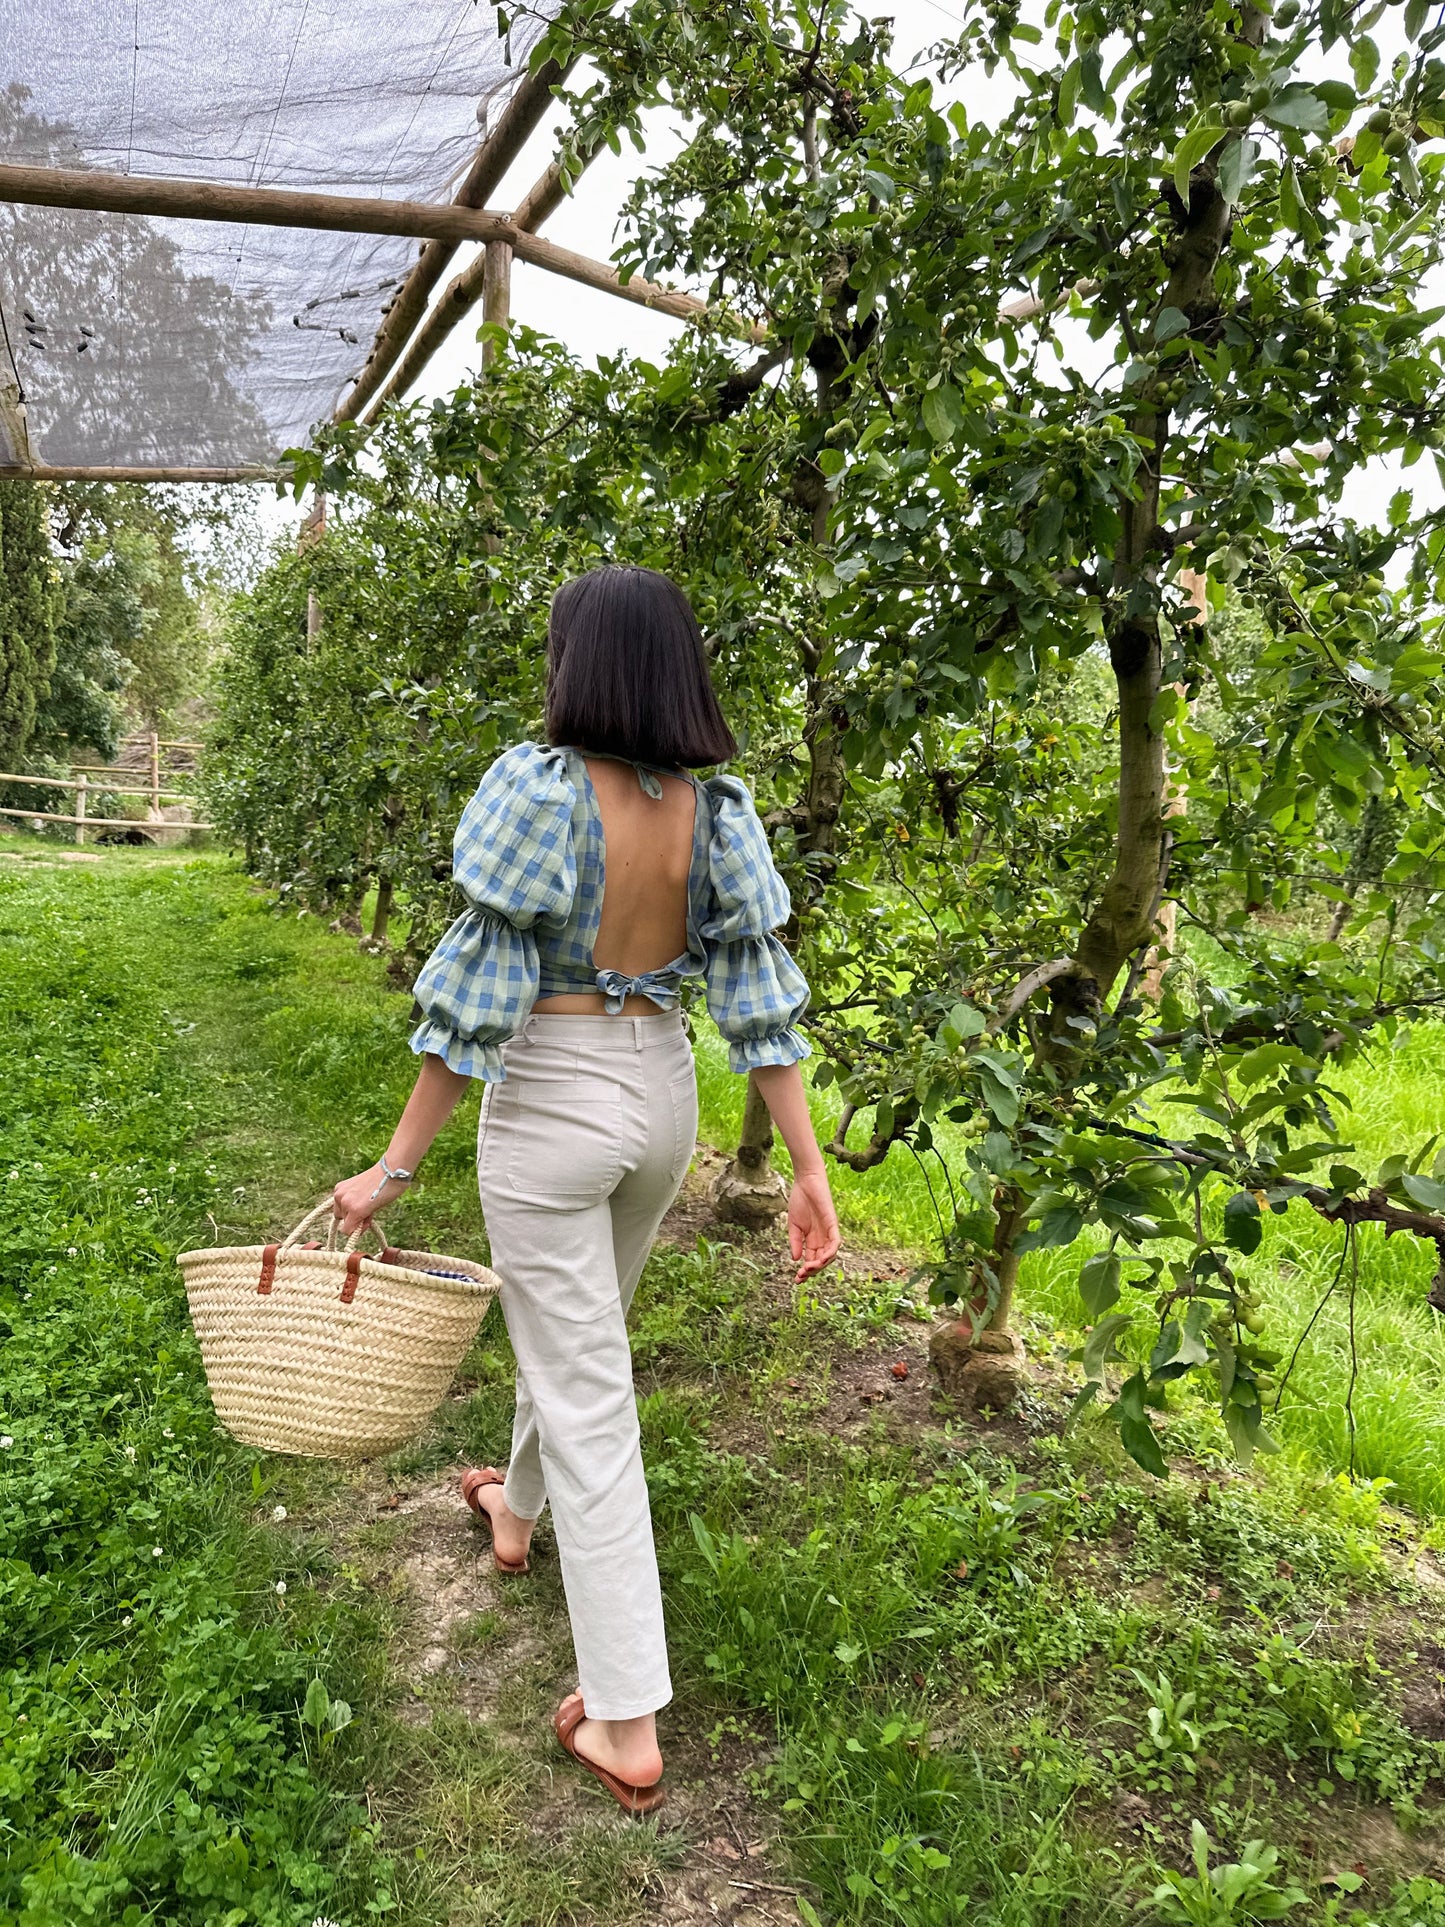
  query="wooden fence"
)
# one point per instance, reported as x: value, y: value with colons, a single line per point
x: 111, y: 779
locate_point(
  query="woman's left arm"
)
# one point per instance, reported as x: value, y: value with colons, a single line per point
x: 435, y: 1095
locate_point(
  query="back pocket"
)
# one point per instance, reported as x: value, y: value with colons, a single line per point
x: 683, y: 1092
x: 561, y: 1139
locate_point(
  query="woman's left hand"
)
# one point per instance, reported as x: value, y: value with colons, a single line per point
x: 813, y: 1235
x: 353, y: 1200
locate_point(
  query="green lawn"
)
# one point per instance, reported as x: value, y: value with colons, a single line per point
x: 949, y: 1674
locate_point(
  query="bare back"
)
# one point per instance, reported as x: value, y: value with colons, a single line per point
x: 648, y: 845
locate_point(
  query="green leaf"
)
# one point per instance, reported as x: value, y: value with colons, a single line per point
x: 943, y: 412
x: 1428, y: 1193
x: 1099, y: 1280
x: 1060, y: 1226
x: 1242, y: 1227
x: 1291, y: 207
x: 1180, y: 1346
x: 1236, y: 168
x: 1000, y: 1097
x: 1364, y: 62
x: 1170, y: 322
x: 1259, y: 1063
x: 1245, y: 1426
x: 317, y: 1705
x: 1100, y: 1346
x: 1091, y: 81
x: 1191, y: 150
x: 962, y: 1022
x: 1135, y: 1430
x: 1299, y: 106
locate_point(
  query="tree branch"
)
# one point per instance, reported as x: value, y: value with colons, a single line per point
x: 1026, y: 987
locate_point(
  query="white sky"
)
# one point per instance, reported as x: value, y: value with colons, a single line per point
x: 592, y: 324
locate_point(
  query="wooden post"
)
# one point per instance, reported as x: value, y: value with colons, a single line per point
x: 155, y: 773
x: 496, y: 293
x: 311, y: 532
x: 80, y: 812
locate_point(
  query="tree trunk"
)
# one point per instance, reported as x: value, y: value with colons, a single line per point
x: 1371, y: 819
x: 1122, y: 918
x: 381, y: 915
x: 750, y: 1192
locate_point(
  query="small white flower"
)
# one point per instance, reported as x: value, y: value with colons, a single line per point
x: 93, y: 1176
x: 167, y: 1433
x: 126, y: 1621
x: 130, y: 1451
x: 72, y: 1251
x: 15, y: 1174
x: 281, y: 1587
x: 5, y: 1441
x: 157, y: 1552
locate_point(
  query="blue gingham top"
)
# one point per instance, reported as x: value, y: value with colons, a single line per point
x: 528, y: 856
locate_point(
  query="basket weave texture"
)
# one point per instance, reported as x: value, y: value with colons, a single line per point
x: 326, y: 1352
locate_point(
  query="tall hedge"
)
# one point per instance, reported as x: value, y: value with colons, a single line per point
x: 29, y: 601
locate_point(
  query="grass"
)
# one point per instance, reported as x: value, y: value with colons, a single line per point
x: 952, y: 1674
x: 157, y: 1641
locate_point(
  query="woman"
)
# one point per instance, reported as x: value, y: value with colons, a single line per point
x: 601, y: 874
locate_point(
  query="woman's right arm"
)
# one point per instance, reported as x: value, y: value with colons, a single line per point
x: 435, y: 1095
x: 813, y: 1235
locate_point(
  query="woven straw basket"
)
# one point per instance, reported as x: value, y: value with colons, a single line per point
x: 325, y: 1352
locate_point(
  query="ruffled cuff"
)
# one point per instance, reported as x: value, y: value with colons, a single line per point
x: 785, y: 1046
x: 464, y: 1055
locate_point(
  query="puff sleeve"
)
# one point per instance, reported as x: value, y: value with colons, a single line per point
x: 755, y: 992
x: 514, y: 862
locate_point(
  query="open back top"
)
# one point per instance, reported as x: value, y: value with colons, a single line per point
x: 529, y: 856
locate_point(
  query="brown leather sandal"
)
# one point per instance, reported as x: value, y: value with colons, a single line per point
x: 632, y: 1799
x: 472, y: 1483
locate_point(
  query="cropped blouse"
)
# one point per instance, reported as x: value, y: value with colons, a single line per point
x: 530, y: 859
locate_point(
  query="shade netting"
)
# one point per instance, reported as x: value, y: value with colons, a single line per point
x: 139, y: 340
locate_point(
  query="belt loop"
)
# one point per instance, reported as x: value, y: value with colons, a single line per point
x: 637, y: 1033
x: 527, y: 1037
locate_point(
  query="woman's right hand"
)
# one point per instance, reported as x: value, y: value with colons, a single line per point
x: 813, y: 1235
x: 354, y: 1203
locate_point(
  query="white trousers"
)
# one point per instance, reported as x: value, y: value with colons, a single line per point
x: 580, y: 1152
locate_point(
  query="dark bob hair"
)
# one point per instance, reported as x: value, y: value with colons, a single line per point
x: 627, y: 672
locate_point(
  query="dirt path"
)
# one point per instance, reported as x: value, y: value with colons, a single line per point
x: 481, y: 1661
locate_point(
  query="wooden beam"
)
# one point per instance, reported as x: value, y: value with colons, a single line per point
x: 602, y: 275
x: 266, y: 206
x: 518, y: 121
x: 469, y: 286
x: 344, y: 213
x: 544, y: 197
x: 79, y: 472
x: 103, y: 823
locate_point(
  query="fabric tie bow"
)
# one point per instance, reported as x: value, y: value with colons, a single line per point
x: 616, y: 987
